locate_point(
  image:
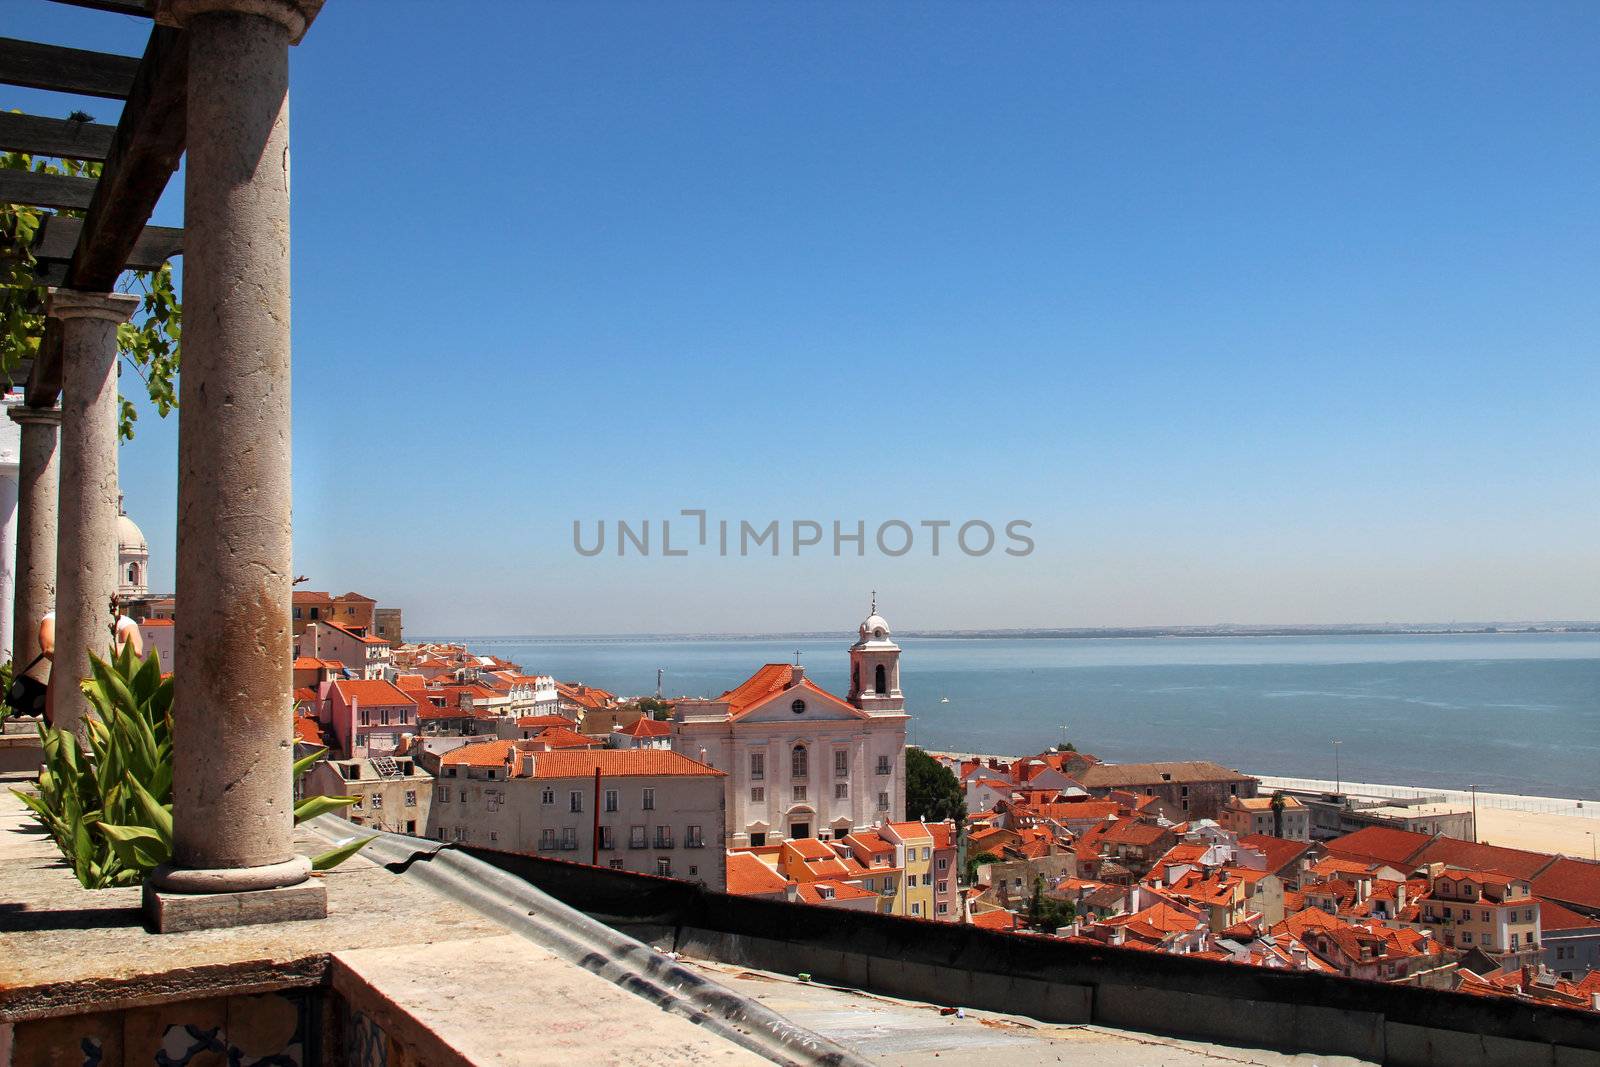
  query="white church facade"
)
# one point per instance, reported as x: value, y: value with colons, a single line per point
x: 802, y: 762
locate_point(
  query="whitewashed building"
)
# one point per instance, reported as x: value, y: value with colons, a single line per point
x: 802, y: 762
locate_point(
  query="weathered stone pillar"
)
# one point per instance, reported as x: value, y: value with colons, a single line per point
x: 10, y: 469
x: 38, y: 485
x: 233, y: 850
x: 86, y: 538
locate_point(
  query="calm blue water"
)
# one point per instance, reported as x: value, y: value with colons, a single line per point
x: 1513, y: 713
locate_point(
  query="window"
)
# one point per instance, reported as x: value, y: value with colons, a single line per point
x: 649, y: 799
x: 548, y: 796
x: 841, y: 763
x: 927, y: 879
x: 365, y: 717
x: 636, y: 837
x: 1515, y: 938
x: 927, y: 853
x: 611, y: 800
x: 359, y: 801
x: 1183, y: 791
x: 758, y: 766
x: 841, y: 791
x: 377, y: 801
x: 616, y: 865
x: 1486, y: 916
x: 883, y: 801
x: 758, y: 795
x: 757, y: 840
x: 1466, y: 937
x: 799, y: 830
x: 663, y: 837
x: 664, y: 866
x: 944, y: 887
x: 692, y: 838
x: 944, y: 863
x: 798, y: 707
x: 575, y: 800
x: 799, y: 792
x: 883, y: 764
x: 798, y: 760
x: 547, y: 840
x: 916, y: 909
x: 607, y: 840
x: 493, y: 836
x: 443, y: 795
x: 463, y: 796
x: 569, y: 837
x: 881, y: 678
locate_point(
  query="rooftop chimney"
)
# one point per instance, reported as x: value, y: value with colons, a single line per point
x: 797, y: 674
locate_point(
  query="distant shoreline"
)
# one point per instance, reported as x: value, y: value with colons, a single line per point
x: 1509, y: 629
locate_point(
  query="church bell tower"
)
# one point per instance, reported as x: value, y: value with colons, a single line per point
x: 875, y: 668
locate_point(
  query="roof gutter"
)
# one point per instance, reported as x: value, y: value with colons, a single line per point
x: 575, y: 937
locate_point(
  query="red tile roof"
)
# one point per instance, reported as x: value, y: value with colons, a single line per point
x: 1280, y: 853
x: 1571, y: 881
x: 771, y: 679
x: 646, y: 728
x: 813, y: 892
x: 999, y: 919
x: 1553, y: 916
x: 528, y: 721
x: 1382, y: 843
x: 373, y: 692
x: 620, y: 763
x: 563, y: 737
x: 1455, y: 852
x: 748, y: 876
x: 478, y: 754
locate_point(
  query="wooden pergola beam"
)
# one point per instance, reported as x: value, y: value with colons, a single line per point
x: 60, y: 236
x: 66, y: 70
x: 46, y: 190
x: 66, y: 138
x: 144, y: 154
x: 116, y: 7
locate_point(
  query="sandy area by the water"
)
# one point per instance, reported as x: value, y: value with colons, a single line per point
x: 1537, y: 832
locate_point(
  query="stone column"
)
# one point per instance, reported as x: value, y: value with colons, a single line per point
x: 86, y: 539
x: 38, y: 485
x: 233, y: 835
x: 10, y: 469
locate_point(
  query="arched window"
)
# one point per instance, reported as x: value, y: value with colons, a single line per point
x: 883, y: 679
x: 797, y: 762
x: 855, y: 678
x: 133, y: 574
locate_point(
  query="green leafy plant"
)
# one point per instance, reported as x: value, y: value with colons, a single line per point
x: 7, y: 672
x: 149, y: 343
x: 109, y: 807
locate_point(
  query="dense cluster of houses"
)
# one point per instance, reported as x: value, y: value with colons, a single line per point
x: 780, y: 789
x: 1184, y: 858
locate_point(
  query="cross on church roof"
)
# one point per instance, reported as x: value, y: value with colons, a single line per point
x: 797, y: 657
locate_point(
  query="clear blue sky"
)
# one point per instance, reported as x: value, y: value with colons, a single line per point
x: 1265, y: 313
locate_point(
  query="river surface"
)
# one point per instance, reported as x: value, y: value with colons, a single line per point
x: 1513, y: 713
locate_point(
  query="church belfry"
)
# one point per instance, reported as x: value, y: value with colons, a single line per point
x: 875, y: 668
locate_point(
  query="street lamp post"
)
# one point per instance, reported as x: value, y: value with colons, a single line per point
x: 1474, y: 788
x: 1338, y: 781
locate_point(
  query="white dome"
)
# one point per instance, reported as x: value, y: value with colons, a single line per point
x: 876, y: 625
x: 129, y: 537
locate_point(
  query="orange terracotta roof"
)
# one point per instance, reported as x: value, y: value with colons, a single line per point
x: 1279, y: 852
x: 814, y: 892
x: 748, y: 876
x: 1382, y: 843
x: 373, y: 692
x: 1553, y: 916
x: 620, y: 763
x: 478, y: 754
x: 771, y: 679
x: 646, y: 728
x: 1572, y: 881
x: 563, y: 737
x: 155, y: 622
x: 998, y: 919
x: 529, y: 721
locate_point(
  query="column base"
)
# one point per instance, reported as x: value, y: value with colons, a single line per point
x: 169, y: 912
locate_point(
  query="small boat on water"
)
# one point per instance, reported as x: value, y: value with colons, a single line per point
x: 944, y: 700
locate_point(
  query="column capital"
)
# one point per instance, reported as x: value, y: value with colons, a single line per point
x: 26, y: 416
x: 293, y: 15
x: 74, y: 304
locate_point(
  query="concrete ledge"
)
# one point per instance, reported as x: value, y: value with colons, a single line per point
x: 169, y: 913
x: 20, y: 752
x: 1427, y: 1046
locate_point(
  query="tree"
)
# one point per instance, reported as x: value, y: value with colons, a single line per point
x: 655, y: 708
x: 149, y: 343
x: 932, y: 792
x: 974, y: 862
x: 1066, y: 746
x: 1277, y: 813
x: 1048, y: 914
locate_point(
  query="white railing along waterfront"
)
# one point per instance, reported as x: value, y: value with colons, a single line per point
x: 1587, y: 809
